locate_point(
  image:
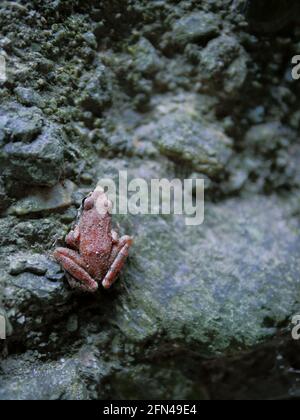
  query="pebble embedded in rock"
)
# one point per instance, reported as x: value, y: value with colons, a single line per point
x: 223, y: 64
x: 200, y: 147
x: 29, y: 97
x: 195, y: 27
x: 145, y: 57
x: 41, y: 200
x: 96, y: 90
x: 18, y: 123
x: 34, y: 152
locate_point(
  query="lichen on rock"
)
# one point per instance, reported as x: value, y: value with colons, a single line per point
x: 161, y: 89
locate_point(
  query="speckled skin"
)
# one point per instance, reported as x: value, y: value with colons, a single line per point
x: 96, y: 254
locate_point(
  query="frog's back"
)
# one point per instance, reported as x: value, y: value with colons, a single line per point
x: 95, y: 237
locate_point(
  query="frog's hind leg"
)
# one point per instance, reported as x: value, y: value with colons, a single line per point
x: 75, y: 267
x: 75, y: 284
x: 119, y: 256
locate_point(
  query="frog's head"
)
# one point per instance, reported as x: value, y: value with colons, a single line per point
x: 98, y: 200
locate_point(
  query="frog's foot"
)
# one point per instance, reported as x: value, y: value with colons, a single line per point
x: 119, y: 256
x: 75, y: 284
x: 74, y: 265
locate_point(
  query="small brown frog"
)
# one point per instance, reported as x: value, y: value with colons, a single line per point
x: 97, y: 254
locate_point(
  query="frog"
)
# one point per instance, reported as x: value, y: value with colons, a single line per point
x: 95, y: 254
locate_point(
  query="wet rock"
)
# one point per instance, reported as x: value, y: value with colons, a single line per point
x: 233, y: 278
x: 195, y: 27
x: 91, y: 40
x: 213, y: 287
x: 33, y: 156
x: 25, y: 234
x: 219, y: 53
x: 29, y: 97
x: 44, y: 65
x: 144, y: 380
x: 201, y: 147
x: 44, y: 200
x: 271, y: 158
x: 130, y: 100
x: 34, y: 296
x: 38, y: 287
x: 18, y: 123
x: 37, y: 264
x: 27, y: 268
x: 50, y: 381
x: 269, y: 137
x: 96, y: 90
x: 72, y: 324
x: 145, y: 58
x: 223, y: 64
x: 5, y: 43
x: 21, y: 266
x: 112, y: 143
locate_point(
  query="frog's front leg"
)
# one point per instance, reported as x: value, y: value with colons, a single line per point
x: 73, y: 238
x: 74, y: 265
x: 118, y: 258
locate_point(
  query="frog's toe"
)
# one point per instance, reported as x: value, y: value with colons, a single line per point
x: 82, y: 287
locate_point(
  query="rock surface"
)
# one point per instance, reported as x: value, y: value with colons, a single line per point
x: 161, y: 90
x: 50, y: 381
x: 202, y: 148
x: 41, y: 200
x: 32, y: 153
x: 195, y: 27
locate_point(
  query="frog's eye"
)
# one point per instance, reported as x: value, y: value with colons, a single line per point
x: 88, y: 203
